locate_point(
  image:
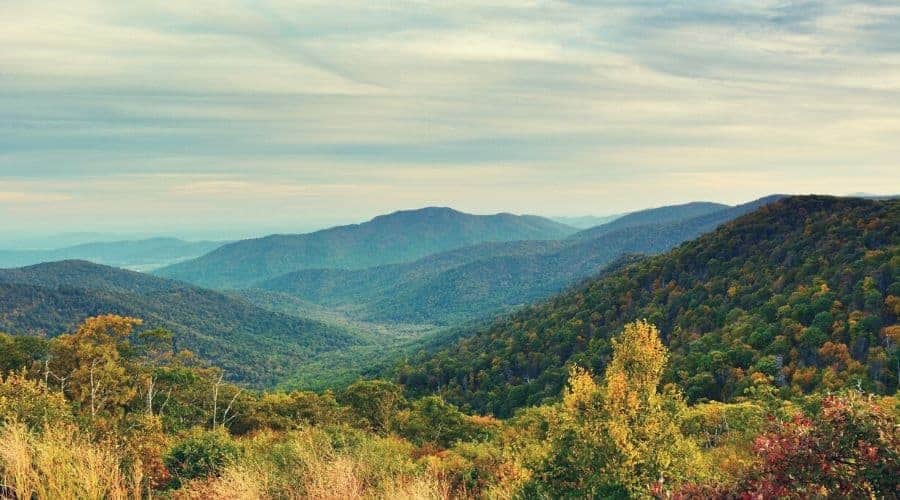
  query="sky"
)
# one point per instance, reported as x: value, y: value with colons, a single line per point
x: 245, y: 117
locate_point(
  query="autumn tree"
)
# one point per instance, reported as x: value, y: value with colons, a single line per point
x: 91, y: 365
x: 621, y: 438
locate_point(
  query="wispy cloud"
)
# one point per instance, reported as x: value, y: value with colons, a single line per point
x: 352, y: 108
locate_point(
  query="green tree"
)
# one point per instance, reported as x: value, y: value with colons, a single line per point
x: 374, y: 403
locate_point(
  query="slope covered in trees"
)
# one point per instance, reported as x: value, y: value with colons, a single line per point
x: 398, y: 237
x: 138, y: 255
x: 472, y: 282
x: 804, y: 290
x: 250, y: 343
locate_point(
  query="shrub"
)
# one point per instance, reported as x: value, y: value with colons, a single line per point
x: 850, y: 449
x: 201, y: 454
x: 31, y: 403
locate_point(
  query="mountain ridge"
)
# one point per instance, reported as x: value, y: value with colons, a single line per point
x: 438, y: 289
x: 143, y: 254
x: 397, y: 237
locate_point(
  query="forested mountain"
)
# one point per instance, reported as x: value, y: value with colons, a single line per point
x: 251, y: 344
x: 475, y: 281
x: 138, y: 255
x: 398, y: 237
x: 805, y: 291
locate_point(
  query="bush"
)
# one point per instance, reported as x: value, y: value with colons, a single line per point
x: 433, y: 421
x: 32, y: 403
x: 201, y: 454
x: 849, y: 449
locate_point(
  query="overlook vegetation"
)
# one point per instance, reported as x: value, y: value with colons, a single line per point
x: 108, y: 412
x: 804, y: 291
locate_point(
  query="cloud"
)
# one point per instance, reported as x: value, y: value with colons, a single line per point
x: 356, y: 107
x: 31, y: 197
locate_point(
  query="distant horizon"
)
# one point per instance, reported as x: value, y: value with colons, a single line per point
x: 37, y: 240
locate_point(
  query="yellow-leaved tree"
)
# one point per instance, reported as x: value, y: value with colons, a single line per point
x: 621, y: 439
x: 90, y: 366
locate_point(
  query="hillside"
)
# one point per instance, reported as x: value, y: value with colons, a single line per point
x: 252, y: 344
x: 476, y: 281
x: 398, y: 237
x: 138, y: 255
x: 804, y: 291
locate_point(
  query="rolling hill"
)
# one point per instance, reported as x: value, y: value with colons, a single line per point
x: 137, y: 255
x: 251, y: 344
x: 486, y: 279
x: 394, y: 238
x: 804, y: 293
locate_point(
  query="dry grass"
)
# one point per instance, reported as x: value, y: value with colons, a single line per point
x: 305, y: 465
x: 63, y: 463
x: 58, y: 463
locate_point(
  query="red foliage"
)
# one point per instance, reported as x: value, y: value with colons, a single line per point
x: 851, y: 449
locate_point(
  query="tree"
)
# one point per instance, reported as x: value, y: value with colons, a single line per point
x: 374, y: 403
x: 622, y: 438
x: 431, y: 420
x: 20, y: 352
x: 91, y: 365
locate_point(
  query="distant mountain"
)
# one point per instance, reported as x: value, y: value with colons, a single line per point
x: 661, y: 215
x: 586, y: 221
x: 137, y: 255
x: 802, y: 292
x: 252, y: 344
x: 475, y: 281
x: 398, y: 237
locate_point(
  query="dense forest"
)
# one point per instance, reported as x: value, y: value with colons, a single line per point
x: 804, y: 290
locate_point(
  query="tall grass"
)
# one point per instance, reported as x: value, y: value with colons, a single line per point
x: 313, y: 464
x: 60, y: 463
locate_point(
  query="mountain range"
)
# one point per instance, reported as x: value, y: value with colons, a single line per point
x: 278, y: 324
x: 397, y: 237
x: 485, y: 279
